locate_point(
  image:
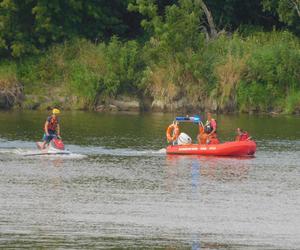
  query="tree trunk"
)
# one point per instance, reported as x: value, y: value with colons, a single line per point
x: 209, y: 18
x: 296, y: 4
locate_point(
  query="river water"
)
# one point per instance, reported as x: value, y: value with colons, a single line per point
x: 118, y: 188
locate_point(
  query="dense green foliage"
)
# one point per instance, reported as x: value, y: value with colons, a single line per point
x: 287, y: 10
x: 84, y: 69
x: 31, y: 25
x: 84, y: 53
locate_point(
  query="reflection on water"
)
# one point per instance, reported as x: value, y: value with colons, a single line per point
x: 119, y: 190
x: 213, y: 168
x: 202, y: 169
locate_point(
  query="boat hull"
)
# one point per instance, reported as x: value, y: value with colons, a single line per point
x: 235, y: 148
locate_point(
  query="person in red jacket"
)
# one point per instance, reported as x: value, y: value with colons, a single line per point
x: 208, y: 131
x: 51, y: 128
x: 242, y: 135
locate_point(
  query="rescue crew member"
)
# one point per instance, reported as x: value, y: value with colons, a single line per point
x: 51, y: 127
x: 208, y: 132
x: 242, y: 135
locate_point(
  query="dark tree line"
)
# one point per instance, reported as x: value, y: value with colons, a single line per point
x: 29, y: 26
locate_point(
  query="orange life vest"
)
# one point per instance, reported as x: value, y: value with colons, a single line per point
x: 52, y: 123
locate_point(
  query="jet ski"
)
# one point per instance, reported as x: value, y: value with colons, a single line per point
x: 54, y: 147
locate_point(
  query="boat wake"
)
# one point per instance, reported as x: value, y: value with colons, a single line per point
x: 38, y: 153
x: 28, y: 149
x: 93, y: 151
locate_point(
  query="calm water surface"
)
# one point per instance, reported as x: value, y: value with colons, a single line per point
x: 118, y: 189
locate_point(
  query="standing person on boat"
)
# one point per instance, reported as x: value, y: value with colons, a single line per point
x: 51, y: 128
x: 208, y: 132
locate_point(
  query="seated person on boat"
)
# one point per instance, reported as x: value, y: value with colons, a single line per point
x: 242, y: 135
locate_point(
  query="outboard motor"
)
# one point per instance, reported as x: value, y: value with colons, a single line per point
x: 57, y: 143
x: 184, y: 139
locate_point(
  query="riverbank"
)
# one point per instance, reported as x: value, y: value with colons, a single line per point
x: 122, y: 103
x: 183, y: 56
x: 119, y: 104
x: 258, y: 73
x: 15, y: 98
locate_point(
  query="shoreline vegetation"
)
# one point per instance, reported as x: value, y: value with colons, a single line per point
x: 180, y: 62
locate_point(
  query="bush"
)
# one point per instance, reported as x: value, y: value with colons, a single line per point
x: 11, y: 90
x: 272, y: 71
x: 124, y: 68
x: 292, y: 104
x: 255, y: 96
x: 84, y: 69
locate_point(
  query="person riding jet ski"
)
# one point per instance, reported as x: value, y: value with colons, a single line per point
x: 51, y: 128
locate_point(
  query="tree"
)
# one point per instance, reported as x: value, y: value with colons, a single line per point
x: 177, y: 29
x: 27, y: 26
x: 153, y: 11
x: 16, y: 27
x: 287, y: 10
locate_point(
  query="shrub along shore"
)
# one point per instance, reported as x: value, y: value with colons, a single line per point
x: 175, y: 68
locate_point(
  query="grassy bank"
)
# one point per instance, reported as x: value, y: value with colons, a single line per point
x: 255, y: 73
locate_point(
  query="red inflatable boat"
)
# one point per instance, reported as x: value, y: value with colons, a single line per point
x: 235, y: 148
